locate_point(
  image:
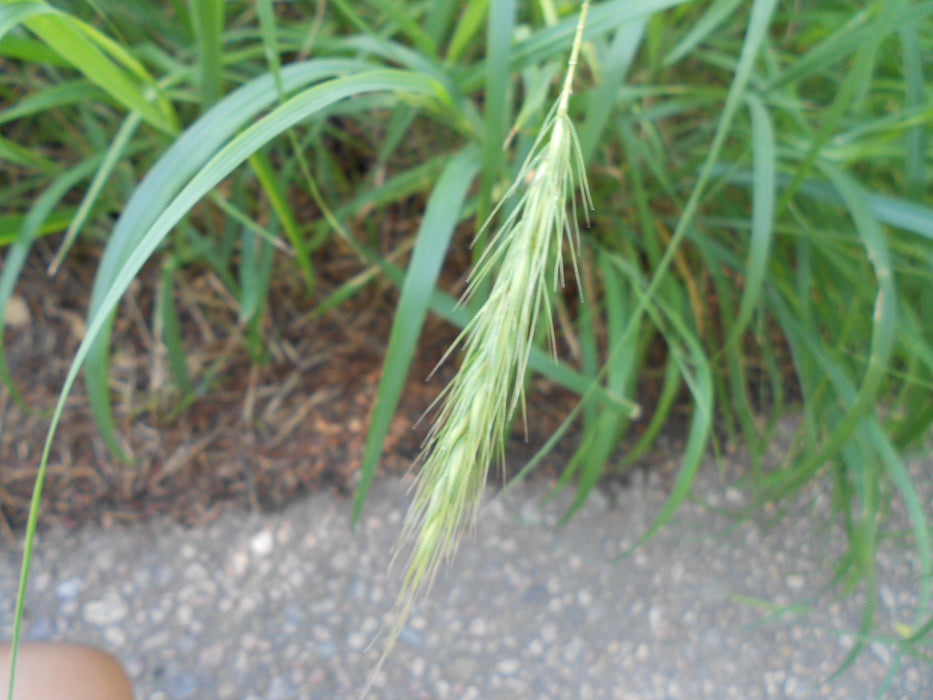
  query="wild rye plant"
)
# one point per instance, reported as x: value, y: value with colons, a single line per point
x: 761, y: 212
x: 525, y: 260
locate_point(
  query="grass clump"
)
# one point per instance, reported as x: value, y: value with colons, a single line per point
x: 762, y: 240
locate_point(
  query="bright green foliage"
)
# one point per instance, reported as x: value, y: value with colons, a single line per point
x: 761, y: 243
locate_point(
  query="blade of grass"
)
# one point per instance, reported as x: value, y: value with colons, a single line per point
x: 698, y: 379
x: 496, y: 107
x: 698, y: 434
x: 168, y: 328
x: 763, y: 198
x: 278, y: 199
x: 717, y: 13
x: 882, y: 340
x: 432, y: 240
x: 536, y: 85
x: 12, y: 265
x: 270, y: 41
x: 616, y: 63
x: 897, y: 473
x: 471, y: 20
x: 15, y: 154
x: 13, y: 14
x: 400, y: 15
x: 895, y: 211
x: 440, y: 17
x: 662, y: 411
x: 114, y: 153
x: 103, y: 62
x: 598, y: 443
x: 916, y: 138
x: 51, y: 97
x: 12, y: 224
x: 254, y: 273
x: 208, y: 19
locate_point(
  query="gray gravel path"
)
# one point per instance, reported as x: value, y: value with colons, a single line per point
x: 284, y: 606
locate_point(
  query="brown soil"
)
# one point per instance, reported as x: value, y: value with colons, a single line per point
x: 258, y: 434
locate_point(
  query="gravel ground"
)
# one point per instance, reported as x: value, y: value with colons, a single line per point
x: 285, y: 605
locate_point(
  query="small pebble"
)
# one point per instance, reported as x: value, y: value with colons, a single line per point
x: 417, y: 667
x: 104, y: 611
x: 478, y: 626
x: 16, y: 314
x: 179, y: 683
x: 69, y: 589
x: 356, y: 640
x: 115, y: 637
x: 655, y: 619
x: 262, y: 543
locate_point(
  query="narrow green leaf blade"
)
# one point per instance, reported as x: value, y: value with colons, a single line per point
x: 432, y: 240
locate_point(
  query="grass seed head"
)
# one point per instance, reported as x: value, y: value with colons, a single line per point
x: 478, y: 405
